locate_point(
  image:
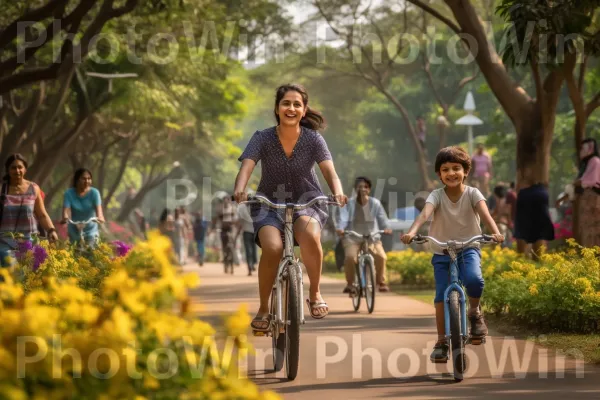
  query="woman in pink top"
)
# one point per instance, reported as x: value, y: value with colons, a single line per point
x: 482, y: 170
x: 587, y: 186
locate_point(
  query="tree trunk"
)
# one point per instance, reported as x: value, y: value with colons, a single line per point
x: 131, y: 203
x: 56, y: 188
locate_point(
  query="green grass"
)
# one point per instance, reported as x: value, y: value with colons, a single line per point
x: 424, y: 295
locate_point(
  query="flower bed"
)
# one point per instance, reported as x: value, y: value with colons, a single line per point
x: 561, y: 292
x: 111, y: 326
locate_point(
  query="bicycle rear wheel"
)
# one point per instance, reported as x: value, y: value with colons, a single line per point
x: 292, y: 331
x: 278, y: 341
x: 357, y: 288
x: 369, y: 285
x: 459, y: 358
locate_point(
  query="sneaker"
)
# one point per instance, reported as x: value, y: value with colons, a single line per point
x: 439, y: 353
x: 384, y: 288
x: 348, y: 289
x: 478, y: 326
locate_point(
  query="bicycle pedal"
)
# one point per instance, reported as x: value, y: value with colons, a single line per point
x: 476, y: 341
x: 260, y: 333
x: 439, y: 361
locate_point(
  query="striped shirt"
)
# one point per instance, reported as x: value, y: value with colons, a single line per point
x: 18, y: 215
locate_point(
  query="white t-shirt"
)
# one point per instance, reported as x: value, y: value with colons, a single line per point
x: 454, y: 221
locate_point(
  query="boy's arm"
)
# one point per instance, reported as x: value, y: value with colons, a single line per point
x: 484, y: 214
x: 421, y: 219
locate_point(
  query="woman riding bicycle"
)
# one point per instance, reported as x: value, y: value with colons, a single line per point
x: 288, y: 153
x: 82, y: 202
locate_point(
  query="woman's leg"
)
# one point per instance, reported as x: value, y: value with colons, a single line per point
x: 272, y: 250
x: 307, y: 232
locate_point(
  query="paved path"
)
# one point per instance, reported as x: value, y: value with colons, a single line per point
x: 352, y: 355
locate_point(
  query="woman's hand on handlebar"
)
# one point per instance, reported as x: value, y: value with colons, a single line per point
x: 341, y: 199
x: 240, y: 197
x: 52, y: 236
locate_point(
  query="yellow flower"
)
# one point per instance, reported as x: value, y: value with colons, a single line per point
x: 237, y: 324
x: 150, y: 382
x: 10, y: 392
x: 533, y: 290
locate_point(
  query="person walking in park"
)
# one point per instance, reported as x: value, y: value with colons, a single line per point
x: 533, y: 224
x: 587, y: 188
x: 482, y: 170
x: 21, y: 208
x: 180, y: 236
x: 200, y: 228
x: 247, y: 230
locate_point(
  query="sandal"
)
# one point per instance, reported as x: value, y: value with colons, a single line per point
x: 383, y: 288
x: 315, y: 305
x: 261, y: 324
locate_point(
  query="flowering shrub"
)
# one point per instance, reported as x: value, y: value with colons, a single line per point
x: 112, y: 326
x: 560, y: 292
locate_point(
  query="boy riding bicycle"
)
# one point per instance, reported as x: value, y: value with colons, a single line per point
x: 457, y: 210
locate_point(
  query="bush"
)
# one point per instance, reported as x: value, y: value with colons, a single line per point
x: 561, y: 292
x: 412, y: 267
x: 124, y: 316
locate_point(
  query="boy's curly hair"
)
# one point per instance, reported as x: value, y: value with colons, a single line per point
x: 453, y: 154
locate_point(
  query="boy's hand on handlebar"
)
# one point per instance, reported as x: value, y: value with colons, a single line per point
x: 407, y: 238
x: 63, y: 221
x: 340, y: 232
x: 498, y: 237
x: 387, y: 231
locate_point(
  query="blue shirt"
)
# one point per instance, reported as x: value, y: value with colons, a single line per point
x: 82, y: 209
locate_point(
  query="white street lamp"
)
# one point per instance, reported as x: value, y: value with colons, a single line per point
x: 110, y: 77
x: 469, y: 120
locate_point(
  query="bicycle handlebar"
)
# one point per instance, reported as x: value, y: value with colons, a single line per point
x: 263, y: 200
x: 453, y: 243
x: 93, y: 219
x: 358, y: 235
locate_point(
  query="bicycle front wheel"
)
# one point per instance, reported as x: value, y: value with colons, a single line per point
x: 278, y: 337
x: 292, y: 331
x: 357, y: 288
x: 459, y: 358
x: 369, y: 285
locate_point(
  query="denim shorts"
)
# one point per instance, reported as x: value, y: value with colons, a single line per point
x: 469, y: 273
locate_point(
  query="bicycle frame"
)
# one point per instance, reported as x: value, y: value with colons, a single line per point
x: 452, y: 246
x: 80, y: 225
x: 287, y: 261
x: 455, y: 285
x: 364, y: 252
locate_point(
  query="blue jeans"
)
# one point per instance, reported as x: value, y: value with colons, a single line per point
x: 469, y: 273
